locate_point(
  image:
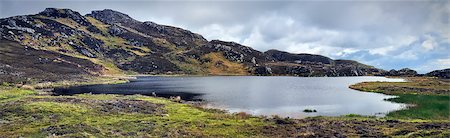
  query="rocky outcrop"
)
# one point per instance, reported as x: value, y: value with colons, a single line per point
x: 232, y: 51
x: 73, y: 15
x: 285, y: 63
x: 298, y: 58
x: 177, y: 36
x: 109, y: 16
x: 444, y: 74
x: 405, y: 72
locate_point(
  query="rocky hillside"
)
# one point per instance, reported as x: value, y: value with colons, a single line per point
x: 108, y: 42
x: 24, y: 64
x: 405, y: 72
x: 444, y: 74
x: 284, y: 63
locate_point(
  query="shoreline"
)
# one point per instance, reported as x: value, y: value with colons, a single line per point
x: 130, y: 116
x: 203, y: 102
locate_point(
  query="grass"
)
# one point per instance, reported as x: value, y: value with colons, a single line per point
x: 426, y: 107
x: 24, y: 113
x: 206, y: 123
x: 9, y: 94
x: 218, y: 65
x: 105, y: 79
x: 30, y: 115
x: 103, y: 27
x: 428, y: 98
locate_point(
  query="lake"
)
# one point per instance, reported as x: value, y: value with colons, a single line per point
x: 259, y: 95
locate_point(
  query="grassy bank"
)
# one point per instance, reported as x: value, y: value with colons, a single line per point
x: 429, y: 98
x: 423, y: 107
x: 26, y: 114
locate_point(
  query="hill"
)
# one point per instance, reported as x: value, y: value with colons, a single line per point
x: 108, y: 42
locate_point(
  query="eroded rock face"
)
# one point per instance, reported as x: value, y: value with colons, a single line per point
x: 444, y: 74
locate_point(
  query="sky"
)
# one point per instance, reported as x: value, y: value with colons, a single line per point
x: 386, y: 34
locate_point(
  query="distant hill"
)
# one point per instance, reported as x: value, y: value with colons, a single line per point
x: 444, y: 73
x: 108, y: 42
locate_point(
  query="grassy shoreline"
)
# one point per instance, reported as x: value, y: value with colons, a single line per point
x: 429, y: 97
x: 28, y: 113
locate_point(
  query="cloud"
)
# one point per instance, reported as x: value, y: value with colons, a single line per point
x: 429, y: 43
x: 437, y: 64
x: 217, y: 31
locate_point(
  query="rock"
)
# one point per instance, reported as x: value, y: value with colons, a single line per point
x: 263, y: 71
x: 116, y: 30
x: 110, y: 16
x: 298, y: 58
x: 65, y: 13
x: 444, y: 74
x: 94, y: 44
x: 405, y: 72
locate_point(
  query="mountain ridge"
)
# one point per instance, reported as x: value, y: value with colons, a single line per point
x: 119, y: 44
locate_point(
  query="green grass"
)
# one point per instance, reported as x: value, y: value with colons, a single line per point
x: 10, y: 94
x: 38, y: 116
x: 426, y: 107
x: 207, y: 122
x: 428, y: 98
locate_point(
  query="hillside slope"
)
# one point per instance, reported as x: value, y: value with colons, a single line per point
x: 119, y: 44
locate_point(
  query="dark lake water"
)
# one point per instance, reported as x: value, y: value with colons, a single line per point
x: 284, y: 96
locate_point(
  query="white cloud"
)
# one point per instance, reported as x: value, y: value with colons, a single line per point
x: 429, y: 43
x: 283, y: 33
x: 437, y: 64
x: 443, y: 63
x: 217, y: 31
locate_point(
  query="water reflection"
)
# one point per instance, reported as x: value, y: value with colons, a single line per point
x: 285, y: 96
